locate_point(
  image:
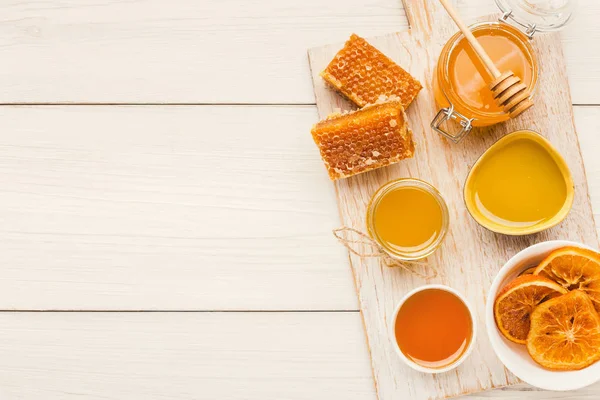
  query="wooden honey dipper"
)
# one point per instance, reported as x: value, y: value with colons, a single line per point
x: 508, y: 90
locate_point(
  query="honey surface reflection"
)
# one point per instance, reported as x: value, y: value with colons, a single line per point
x: 408, y: 219
x: 469, y: 77
x: 519, y: 184
x: 433, y: 328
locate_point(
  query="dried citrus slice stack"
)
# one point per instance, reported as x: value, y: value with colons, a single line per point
x: 574, y: 268
x: 517, y: 300
x: 565, y: 333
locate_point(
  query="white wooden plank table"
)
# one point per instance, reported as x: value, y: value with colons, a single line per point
x: 164, y: 216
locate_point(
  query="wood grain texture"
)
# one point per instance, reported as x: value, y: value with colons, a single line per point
x: 183, y: 356
x: 587, y: 121
x: 470, y: 255
x: 197, y: 356
x: 195, y: 208
x: 193, y: 51
x: 113, y: 208
x: 172, y: 208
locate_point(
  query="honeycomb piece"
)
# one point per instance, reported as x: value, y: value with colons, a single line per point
x: 363, y: 140
x: 364, y: 74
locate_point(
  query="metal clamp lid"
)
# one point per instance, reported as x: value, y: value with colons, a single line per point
x: 449, y: 113
x: 537, y: 15
x: 530, y: 29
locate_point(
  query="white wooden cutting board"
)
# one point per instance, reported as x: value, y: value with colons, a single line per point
x: 470, y: 255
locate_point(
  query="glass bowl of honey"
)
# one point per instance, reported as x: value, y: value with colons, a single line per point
x: 433, y: 329
x: 408, y: 218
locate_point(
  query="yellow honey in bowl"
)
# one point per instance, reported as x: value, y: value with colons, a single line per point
x: 408, y: 218
x: 520, y: 185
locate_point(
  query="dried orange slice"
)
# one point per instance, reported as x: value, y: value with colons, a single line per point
x: 516, y: 301
x: 574, y: 268
x: 528, y: 271
x: 565, y: 333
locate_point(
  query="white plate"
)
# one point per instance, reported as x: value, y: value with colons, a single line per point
x: 515, y: 356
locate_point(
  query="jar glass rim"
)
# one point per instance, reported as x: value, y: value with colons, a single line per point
x: 414, y: 183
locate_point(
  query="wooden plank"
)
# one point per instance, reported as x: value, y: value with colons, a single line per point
x: 525, y: 392
x: 203, y: 52
x: 185, y: 356
x: 166, y: 208
x: 587, y: 121
x: 112, y: 208
x: 469, y: 250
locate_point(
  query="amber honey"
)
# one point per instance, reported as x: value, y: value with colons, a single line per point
x: 470, y: 79
x: 461, y: 80
x: 433, y: 328
x: 408, y: 218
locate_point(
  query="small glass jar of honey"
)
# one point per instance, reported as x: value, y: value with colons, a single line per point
x: 461, y: 81
x: 408, y: 218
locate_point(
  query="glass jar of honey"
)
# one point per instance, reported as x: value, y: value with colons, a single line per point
x: 408, y: 218
x: 461, y: 81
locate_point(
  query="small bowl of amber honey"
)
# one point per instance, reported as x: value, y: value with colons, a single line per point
x: 433, y: 329
x: 408, y: 218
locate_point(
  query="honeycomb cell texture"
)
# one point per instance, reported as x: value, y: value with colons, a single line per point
x: 364, y: 74
x: 363, y: 140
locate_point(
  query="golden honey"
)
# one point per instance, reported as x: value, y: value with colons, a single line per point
x: 461, y: 80
x: 408, y: 218
x: 470, y: 79
x: 433, y: 328
x: 520, y: 185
